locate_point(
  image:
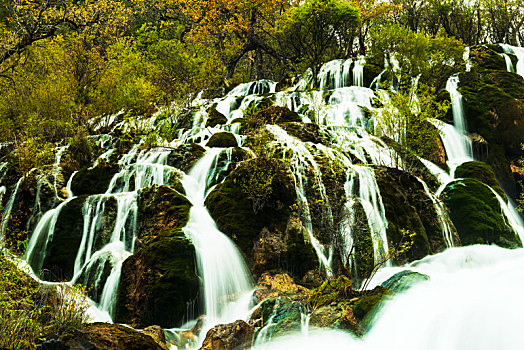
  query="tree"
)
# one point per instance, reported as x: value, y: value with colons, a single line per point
x: 25, y: 22
x: 318, y: 31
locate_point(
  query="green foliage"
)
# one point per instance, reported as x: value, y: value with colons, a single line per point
x: 318, y: 31
x: 332, y: 290
x: 434, y: 58
x: 406, y: 119
x: 29, y: 311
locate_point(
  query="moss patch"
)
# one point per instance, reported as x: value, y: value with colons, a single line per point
x: 93, y: 180
x: 476, y: 213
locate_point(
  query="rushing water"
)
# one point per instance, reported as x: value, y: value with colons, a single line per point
x: 472, y: 301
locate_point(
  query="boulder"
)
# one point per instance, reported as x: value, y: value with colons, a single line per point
x: 105, y: 336
x: 215, y: 118
x: 479, y: 171
x: 338, y: 316
x: 408, y: 207
x: 476, y: 213
x: 270, y: 238
x: 233, y: 336
x: 276, y: 284
x: 185, y: 156
x: 159, y: 279
x: 222, y: 139
x: 93, y: 180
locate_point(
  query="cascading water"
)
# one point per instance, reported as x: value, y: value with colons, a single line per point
x: 519, y: 52
x: 221, y: 266
x: 9, y: 206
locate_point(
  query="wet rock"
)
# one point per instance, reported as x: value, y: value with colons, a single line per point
x: 487, y: 58
x: 306, y: 132
x: 104, y: 336
x: 339, y: 316
x: 233, y: 336
x: 222, y: 139
x: 158, y: 335
x: 270, y: 238
x: 366, y: 305
x: 215, y: 118
x: 185, y: 156
x: 160, y: 208
x: 408, y: 207
x: 94, y: 180
x: 159, y: 279
x: 212, y: 93
x: 479, y: 171
x: 476, y: 213
x: 404, y: 280
x: 276, y: 284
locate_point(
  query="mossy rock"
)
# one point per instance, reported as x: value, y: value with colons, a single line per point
x: 160, y: 208
x: 486, y: 58
x: 282, y: 316
x: 306, y: 132
x: 277, y: 114
x: 372, y: 68
x: 222, y: 139
x: 105, y: 336
x: 93, y: 180
x: 185, y: 156
x: 494, y: 109
x: 215, y: 118
x: 367, y: 305
x: 159, y: 279
x: 232, y: 208
x: 476, y: 213
x: 404, y: 280
x: 479, y: 171
x: 59, y: 261
x: 408, y: 207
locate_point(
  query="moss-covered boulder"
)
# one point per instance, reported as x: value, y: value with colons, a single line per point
x: 159, y: 279
x: 215, y: 118
x: 273, y: 284
x: 222, y: 139
x: 404, y: 280
x: 366, y: 305
x: 479, y: 171
x: 93, y: 180
x: 487, y: 58
x: 185, y: 156
x: 306, y: 132
x: 494, y: 108
x: 104, y: 336
x: 408, y: 207
x: 476, y: 213
x: 277, y: 114
x: 266, y: 233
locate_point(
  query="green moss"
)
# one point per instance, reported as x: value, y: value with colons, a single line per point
x: 479, y: 171
x: 404, y: 280
x: 93, y: 180
x: 476, y: 213
x: 215, y: 118
x: 486, y: 58
x: 365, y: 307
x: 159, y: 280
x: 222, y: 139
x: 333, y: 290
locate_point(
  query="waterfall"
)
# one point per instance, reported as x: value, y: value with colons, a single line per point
x: 221, y: 266
x: 509, y: 63
x: 303, y: 161
x: 9, y: 206
x: 358, y: 71
x: 519, y: 52
x: 460, y: 307
x: 335, y: 74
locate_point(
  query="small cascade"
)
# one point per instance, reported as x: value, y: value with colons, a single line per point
x: 335, y: 74
x: 345, y: 107
x: 519, y: 52
x: 358, y: 71
x: 8, y: 207
x: 510, y: 213
x: 371, y: 201
x: 466, y: 59
x: 302, y: 161
x: 509, y: 63
x: 258, y: 87
x: 456, y: 139
x: 40, y: 238
x: 221, y: 266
